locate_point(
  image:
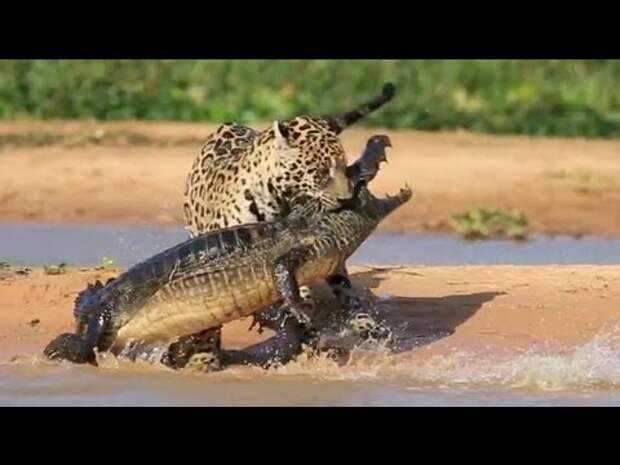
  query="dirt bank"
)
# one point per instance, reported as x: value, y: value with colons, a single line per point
x: 434, y: 309
x: 135, y: 173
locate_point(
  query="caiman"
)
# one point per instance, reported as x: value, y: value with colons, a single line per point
x: 224, y: 275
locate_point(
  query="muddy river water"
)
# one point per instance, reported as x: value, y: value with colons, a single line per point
x: 586, y: 375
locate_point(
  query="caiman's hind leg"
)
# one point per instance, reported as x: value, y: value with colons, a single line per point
x: 200, y: 351
x: 357, y: 319
x: 289, y: 321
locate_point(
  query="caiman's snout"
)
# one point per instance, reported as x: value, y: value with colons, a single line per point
x: 363, y: 201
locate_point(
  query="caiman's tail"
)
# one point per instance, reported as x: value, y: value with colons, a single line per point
x: 341, y: 121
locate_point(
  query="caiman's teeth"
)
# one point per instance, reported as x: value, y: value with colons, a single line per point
x: 403, y: 192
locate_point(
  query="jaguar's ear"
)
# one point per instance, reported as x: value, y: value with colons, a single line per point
x: 280, y: 131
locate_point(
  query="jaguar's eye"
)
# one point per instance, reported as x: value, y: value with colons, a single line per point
x: 323, y: 173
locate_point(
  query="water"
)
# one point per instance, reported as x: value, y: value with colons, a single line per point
x: 36, y: 244
x: 586, y: 375
x: 59, y: 388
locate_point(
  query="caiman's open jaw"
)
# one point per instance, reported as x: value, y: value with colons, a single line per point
x: 404, y: 194
x: 364, y: 200
x: 365, y: 169
x: 383, y: 206
x: 392, y: 201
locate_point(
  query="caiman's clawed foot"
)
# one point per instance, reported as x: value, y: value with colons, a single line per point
x: 70, y: 347
x: 368, y: 328
x: 205, y: 362
x: 355, y: 320
x: 200, y: 351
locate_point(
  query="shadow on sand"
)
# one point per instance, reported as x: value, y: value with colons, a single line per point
x: 417, y: 321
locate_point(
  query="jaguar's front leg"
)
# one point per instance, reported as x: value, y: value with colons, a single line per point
x: 356, y: 319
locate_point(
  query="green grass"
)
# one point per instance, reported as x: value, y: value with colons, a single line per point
x: 108, y: 262
x: 540, y: 97
x: 486, y: 223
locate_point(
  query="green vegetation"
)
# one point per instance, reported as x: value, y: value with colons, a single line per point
x: 55, y: 269
x: 541, y: 97
x: 34, y: 139
x: 485, y: 223
x: 108, y: 262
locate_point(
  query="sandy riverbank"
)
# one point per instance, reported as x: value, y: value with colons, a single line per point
x: 432, y: 310
x: 135, y: 172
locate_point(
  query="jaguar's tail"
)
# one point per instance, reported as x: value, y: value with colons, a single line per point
x: 339, y: 122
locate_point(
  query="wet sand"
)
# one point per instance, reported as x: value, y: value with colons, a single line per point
x: 564, y: 186
x: 433, y: 311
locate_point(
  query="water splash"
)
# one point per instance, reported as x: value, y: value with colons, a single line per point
x: 592, y: 366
